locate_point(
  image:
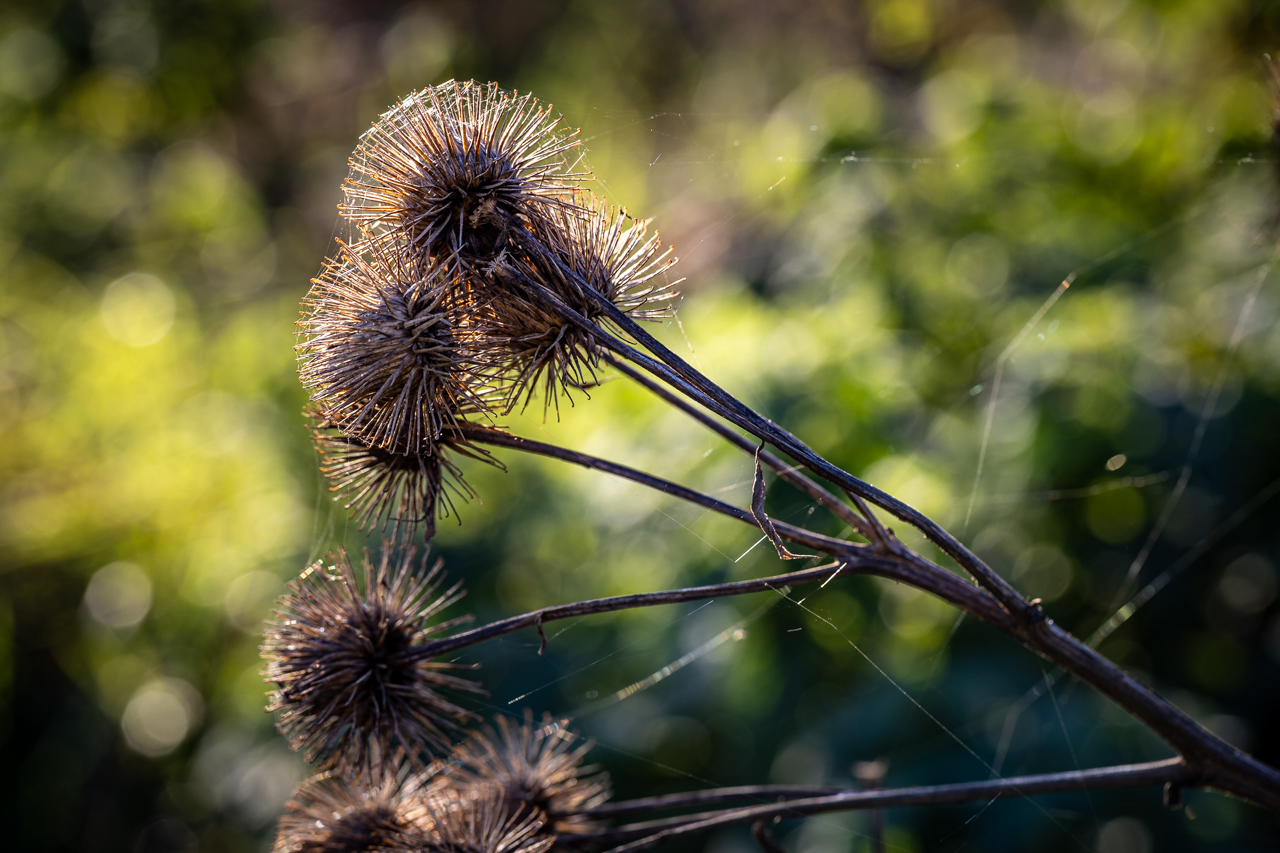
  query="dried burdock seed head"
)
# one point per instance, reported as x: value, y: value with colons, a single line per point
x: 353, y: 679
x: 377, y: 810
x: 538, y: 769
x: 387, y: 352
x: 477, y: 820
x: 454, y: 169
x: 394, y: 492
x: 587, y: 246
x: 601, y: 247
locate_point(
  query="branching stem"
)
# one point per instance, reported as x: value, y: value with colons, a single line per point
x: 910, y: 568
x: 1220, y: 764
x: 787, y: 472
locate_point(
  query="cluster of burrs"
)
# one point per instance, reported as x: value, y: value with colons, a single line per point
x: 481, y: 274
x: 519, y: 790
x: 358, y: 694
x: 478, y: 277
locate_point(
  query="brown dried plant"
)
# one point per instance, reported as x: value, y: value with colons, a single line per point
x: 538, y: 768
x: 388, y: 352
x: 405, y: 337
x: 589, y: 245
x: 397, y: 493
x: 376, y: 810
x: 346, y: 658
x: 467, y: 211
x: 452, y: 170
x: 477, y: 820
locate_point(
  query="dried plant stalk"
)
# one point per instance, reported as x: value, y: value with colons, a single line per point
x: 482, y: 267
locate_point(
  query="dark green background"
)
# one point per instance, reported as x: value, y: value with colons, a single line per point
x: 870, y: 201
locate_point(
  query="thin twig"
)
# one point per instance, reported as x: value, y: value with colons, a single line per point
x: 759, y: 793
x: 880, y: 534
x: 906, y: 567
x: 497, y: 438
x: 1121, y: 776
x: 678, y: 374
x: 866, y: 561
x: 1228, y: 768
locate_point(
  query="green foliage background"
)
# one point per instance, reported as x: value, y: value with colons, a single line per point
x: 870, y: 201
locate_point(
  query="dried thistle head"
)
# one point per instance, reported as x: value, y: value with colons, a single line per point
x: 372, y: 811
x: 394, y: 492
x: 589, y: 245
x: 601, y: 247
x: 387, y: 349
x: 352, y: 681
x: 454, y: 169
x: 538, y: 769
x: 478, y: 820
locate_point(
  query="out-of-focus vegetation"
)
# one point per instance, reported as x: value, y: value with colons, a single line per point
x: 870, y: 201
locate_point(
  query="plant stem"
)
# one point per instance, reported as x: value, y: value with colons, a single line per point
x: 906, y: 567
x: 760, y: 793
x: 787, y: 472
x: 871, y: 563
x: 1222, y: 765
x: 680, y: 375
x: 1170, y: 771
x: 674, y: 368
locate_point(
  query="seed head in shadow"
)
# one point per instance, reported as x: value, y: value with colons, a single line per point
x: 371, y: 811
x: 454, y: 169
x: 538, y: 769
x: 477, y: 820
x: 347, y: 659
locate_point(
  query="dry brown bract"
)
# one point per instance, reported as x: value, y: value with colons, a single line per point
x: 351, y: 679
x: 538, y: 769
x: 453, y: 169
